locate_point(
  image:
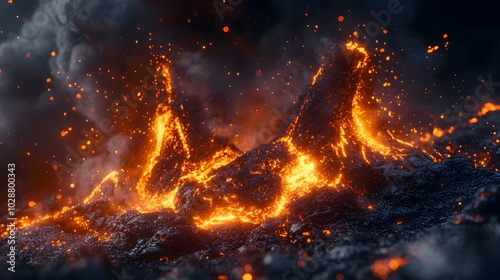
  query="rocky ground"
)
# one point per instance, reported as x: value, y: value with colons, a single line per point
x: 436, y: 221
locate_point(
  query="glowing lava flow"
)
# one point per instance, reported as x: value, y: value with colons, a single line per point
x: 98, y: 189
x: 163, y: 126
x: 301, y: 177
x: 363, y: 119
x: 212, y: 190
x: 169, y: 131
x: 334, y: 125
x: 217, y: 199
x: 298, y: 178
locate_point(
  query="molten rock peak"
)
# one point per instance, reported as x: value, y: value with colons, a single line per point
x: 332, y: 132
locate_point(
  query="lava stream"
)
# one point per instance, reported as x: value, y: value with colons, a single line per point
x: 210, y: 181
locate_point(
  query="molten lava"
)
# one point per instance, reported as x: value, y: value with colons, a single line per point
x: 334, y: 126
x: 207, y: 179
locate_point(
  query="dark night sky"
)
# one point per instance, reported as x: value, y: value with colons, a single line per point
x: 93, y: 36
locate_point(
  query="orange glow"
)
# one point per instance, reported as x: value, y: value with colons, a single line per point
x: 301, y: 176
x: 340, y: 18
x: 432, y: 49
x: 163, y: 119
x: 225, y: 29
x: 374, y: 140
x: 316, y: 75
x: 168, y: 130
x: 53, y: 54
x: 169, y: 139
x: 381, y: 268
x: 80, y: 221
x: 488, y: 107
x: 112, y: 176
x: 437, y: 132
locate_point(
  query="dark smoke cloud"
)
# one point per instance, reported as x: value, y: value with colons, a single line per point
x: 273, y: 46
x: 85, y: 35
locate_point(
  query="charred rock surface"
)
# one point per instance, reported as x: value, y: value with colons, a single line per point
x: 441, y: 218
